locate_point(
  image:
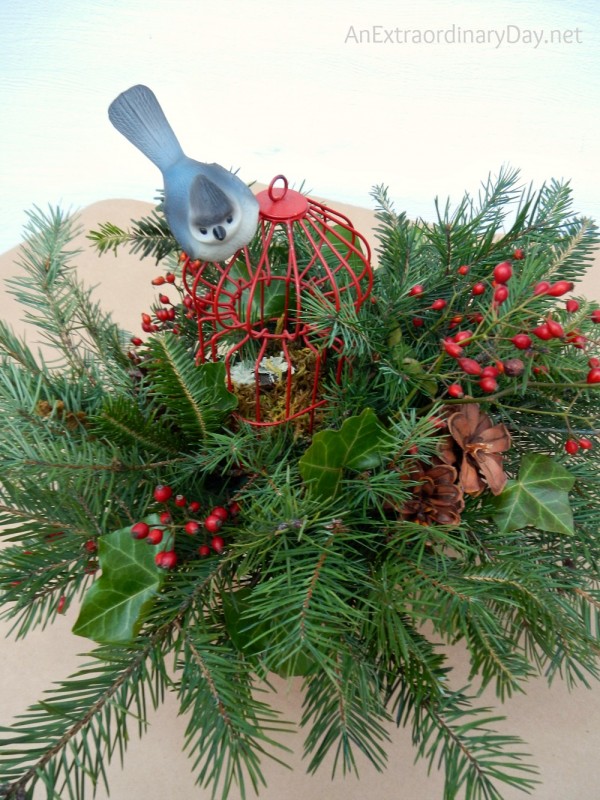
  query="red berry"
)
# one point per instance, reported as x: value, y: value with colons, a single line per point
x: 169, y: 277
x: 594, y: 362
x: 519, y: 254
x: 204, y: 550
x: 155, y: 536
x: 542, y: 370
x: 234, y: 508
x: 593, y: 375
x: 521, y: 341
x: 490, y: 372
x: 164, y: 299
x: 166, y: 559
x: 91, y: 546
x: 416, y: 290
x: 542, y: 332
x: 463, y: 269
x: 572, y: 306
x: 165, y: 518
x: 146, y: 319
x: 213, y: 523
x: 192, y: 527
x: 136, y: 341
x: 454, y: 350
x: 541, y: 288
x: 488, y: 384
x: 194, y: 507
x: 503, y: 272
x: 455, y: 390
x: 585, y: 443
x: 438, y: 304
x: 571, y: 447
x: 470, y: 366
x: 180, y: 500
x: 219, y: 511
x: 500, y: 294
x: 60, y: 607
x: 417, y: 322
x: 158, y: 281
x: 140, y: 530
x: 162, y: 493
x: 463, y: 337
x: 595, y: 315
x: 555, y: 328
x: 478, y: 288
x: 217, y: 543
x: 576, y: 339
x: 559, y: 288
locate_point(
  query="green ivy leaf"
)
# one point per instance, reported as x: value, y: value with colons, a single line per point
x: 269, y: 299
x: 114, y: 606
x: 539, y: 497
x: 357, y: 445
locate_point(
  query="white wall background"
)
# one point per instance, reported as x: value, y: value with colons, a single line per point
x: 273, y: 86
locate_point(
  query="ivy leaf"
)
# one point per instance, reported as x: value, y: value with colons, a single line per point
x: 357, y: 445
x: 539, y: 497
x: 114, y: 606
x: 267, y: 300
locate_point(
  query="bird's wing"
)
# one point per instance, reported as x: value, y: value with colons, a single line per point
x: 209, y: 204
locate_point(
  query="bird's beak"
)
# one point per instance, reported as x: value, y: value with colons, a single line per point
x: 219, y: 232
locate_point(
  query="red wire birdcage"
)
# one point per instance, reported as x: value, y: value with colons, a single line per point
x: 250, y: 309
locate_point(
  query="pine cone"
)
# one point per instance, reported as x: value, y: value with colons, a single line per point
x: 437, y: 499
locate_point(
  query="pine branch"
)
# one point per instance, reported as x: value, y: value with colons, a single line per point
x: 228, y: 729
x: 345, y: 711
x: 459, y: 737
x: 150, y: 236
x: 16, y: 349
x: 125, y: 424
x: 46, y: 286
x: 66, y: 740
x: 195, y: 398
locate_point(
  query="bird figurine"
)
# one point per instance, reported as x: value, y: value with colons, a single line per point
x: 210, y: 211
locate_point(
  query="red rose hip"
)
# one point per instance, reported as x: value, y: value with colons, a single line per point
x: 162, y: 493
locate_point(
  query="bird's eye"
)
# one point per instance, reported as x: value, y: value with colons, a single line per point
x: 230, y: 219
x: 203, y: 231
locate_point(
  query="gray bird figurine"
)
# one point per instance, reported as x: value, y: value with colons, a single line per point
x: 210, y: 211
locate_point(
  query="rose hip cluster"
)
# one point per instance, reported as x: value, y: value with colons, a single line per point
x: 474, y: 348
x: 167, y: 528
x: 165, y: 316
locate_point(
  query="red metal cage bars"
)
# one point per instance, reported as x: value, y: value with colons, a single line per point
x: 303, y: 249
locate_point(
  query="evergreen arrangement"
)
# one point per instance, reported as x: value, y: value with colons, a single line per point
x: 447, y: 491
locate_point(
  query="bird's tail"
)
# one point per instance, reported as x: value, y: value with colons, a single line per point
x: 136, y: 113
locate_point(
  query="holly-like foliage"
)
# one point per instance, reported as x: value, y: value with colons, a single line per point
x: 448, y: 490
